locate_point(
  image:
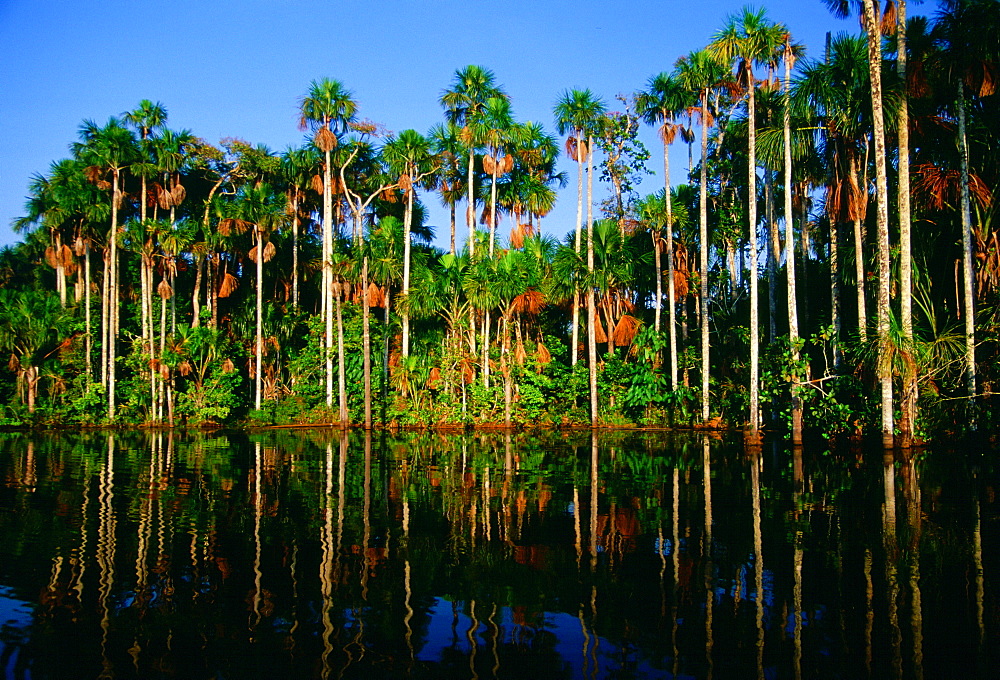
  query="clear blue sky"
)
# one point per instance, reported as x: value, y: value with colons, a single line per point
x: 237, y: 68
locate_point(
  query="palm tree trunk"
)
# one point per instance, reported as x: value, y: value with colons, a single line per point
x: 162, y: 382
x: 407, y: 218
x: 327, y: 288
x: 882, y: 196
x: 671, y: 291
x: 657, y: 267
x: 341, y: 380
x: 295, y: 249
x: 113, y: 298
x: 105, y: 308
x: 703, y: 254
x: 574, y: 345
x: 89, y: 336
x: 773, y: 256
x: 199, y: 276
x: 493, y: 207
x: 909, y: 397
x: 591, y: 308
x: 470, y: 213
x: 259, y: 309
x: 859, y: 276
x: 754, y: 302
x: 366, y: 342
x: 968, y: 272
x: 793, y: 315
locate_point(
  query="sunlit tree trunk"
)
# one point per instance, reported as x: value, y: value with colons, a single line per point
x: 793, y: 315
x: 968, y: 271
x: 591, y: 308
x: 754, y: 300
x: 703, y: 254
x: 882, y: 197
x: 908, y: 399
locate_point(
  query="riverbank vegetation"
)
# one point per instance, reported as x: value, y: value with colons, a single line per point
x: 831, y: 262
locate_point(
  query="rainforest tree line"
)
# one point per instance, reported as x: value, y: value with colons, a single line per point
x: 831, y: 262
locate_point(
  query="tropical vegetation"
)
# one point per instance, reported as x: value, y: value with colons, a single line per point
x: 165, y: 280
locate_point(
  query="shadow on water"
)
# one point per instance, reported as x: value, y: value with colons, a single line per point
x: 614, y: 555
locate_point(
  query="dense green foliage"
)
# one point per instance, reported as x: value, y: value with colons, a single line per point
x: 163, y: 279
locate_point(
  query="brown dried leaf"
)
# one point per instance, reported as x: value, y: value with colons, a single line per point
x: 228, y: 286
x: 164, y: 290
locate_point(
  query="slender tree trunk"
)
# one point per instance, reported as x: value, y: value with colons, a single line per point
x: 968, y: 271
x: 703, y: 255
x: 793, y: 314
x: 113, y: 298
x: 162, y: 382
x: 366, y: 342
x: 199, y: 276
x: 575, y: 343
x: 327, y: 278
x: 259, y: 309
x: 341, y: 378
x: 773, y: 257
x: 452, y: 216
x: 295, y: 249
x: 407, y: 218
x: 493, y: 207
x: 882, y: 196
x: 754, y: 301
x: 470, y: 213
x: 105, y: 308
x: 591, y: 308
x: 671, y: 288
x: 89, y: 336
x: 909, y: 397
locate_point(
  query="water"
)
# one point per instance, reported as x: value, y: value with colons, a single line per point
x: 315, y: 555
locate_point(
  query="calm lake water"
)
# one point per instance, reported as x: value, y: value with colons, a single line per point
x: 310, y: 554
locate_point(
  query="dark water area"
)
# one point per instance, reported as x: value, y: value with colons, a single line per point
x: 624, y: 555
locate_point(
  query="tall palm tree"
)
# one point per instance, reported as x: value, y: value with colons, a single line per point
x: 748, y: 39
x: 871, y: 21
x: 446, y: 144
x: 665, y: 98
x: 701, y: 72
x: 577, y: 114
x: 108, y: 150
x: 409, y: 156
x: 966, y: 32
x: 328, y: 109
x: 464, y: 103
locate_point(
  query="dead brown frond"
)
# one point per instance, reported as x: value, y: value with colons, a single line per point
x: 888, y: 18
x: 164, y: 290
x: 529, y: 302
x: 232, y: 225
x: 50, y: 257
x: 600, y: 335
x: 228, y: 285
x: 185, y: 368
x: 626, y: 329
x: 376, y: 296
x: 228, y: 366
x: 519, y: 354
x: 542, y: 354
x: 178, y: 193
x: 325, y: 140
x: 434, y: 379
x: 80, y: 246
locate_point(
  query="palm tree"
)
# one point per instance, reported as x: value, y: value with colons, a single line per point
x: 32, y: 325
x: 446, y: 144
x: 966, y: 30
x: 464, y: 104
x: 701, y: 72
x: 408, y: 156
x: 871, y: 21
x: 747, y: 39
x: 107, y: 151
x: 664, y: 98
x: 328, y: 109
x: 577, y: 114
x: 296, y: 168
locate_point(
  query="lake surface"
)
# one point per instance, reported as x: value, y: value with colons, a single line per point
x: 311, y: 554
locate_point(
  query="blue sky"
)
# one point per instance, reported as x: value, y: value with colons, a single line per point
x: 237, y: 68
